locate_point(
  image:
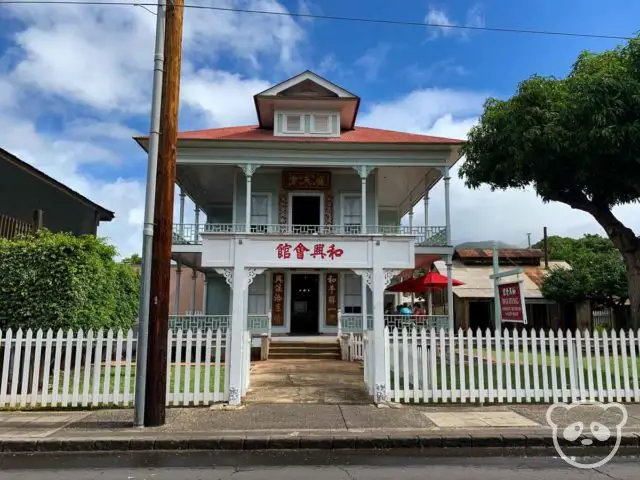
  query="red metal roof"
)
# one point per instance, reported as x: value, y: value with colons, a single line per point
x: 251, y: 133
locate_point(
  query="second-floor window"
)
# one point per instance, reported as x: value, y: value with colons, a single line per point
x: 352, y: 294
x: 352, y: 213
x: 259, y: 212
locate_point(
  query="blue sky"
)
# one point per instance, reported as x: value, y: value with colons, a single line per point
x: 75, y: 85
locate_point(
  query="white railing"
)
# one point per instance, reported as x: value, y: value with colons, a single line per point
x: 497, y: 367
x: 199, y: 322
x: 69, y: 369
x: 190, y: 234
x: 354, y: 348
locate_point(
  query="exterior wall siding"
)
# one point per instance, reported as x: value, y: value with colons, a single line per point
x: 218, y: 295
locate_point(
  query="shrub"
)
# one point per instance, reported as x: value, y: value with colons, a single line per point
x: 57, y: 280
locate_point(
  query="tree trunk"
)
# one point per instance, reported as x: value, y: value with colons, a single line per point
x: 633, y: 275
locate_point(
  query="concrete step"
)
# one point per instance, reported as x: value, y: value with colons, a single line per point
x: 304, y: 349
x: 305, y: 344
x: 310, y: 356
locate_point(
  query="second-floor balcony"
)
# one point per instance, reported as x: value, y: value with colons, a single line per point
x: 190, y: 234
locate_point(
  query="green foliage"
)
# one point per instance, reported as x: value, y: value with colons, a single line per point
x: 575, y: 140
x: 597, y: 273
x: 63, y: 281
x: 134, y: 259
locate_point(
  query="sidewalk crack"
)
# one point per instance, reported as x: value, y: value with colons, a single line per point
x: 606, y: 474
x: 343, y: 419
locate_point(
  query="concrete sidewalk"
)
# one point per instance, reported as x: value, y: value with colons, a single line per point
x: 435, y: 430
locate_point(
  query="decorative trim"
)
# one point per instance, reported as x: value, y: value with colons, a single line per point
x: 328, y: 208
x: 234, y: 396
x: 253, y: 273
x: 249, y: 169
x: 331, y: 295
x: 366, y: 274
x: 277, y: 299
x: 363, y: 170
x: 381, y: 393
x: 306, y: 180
x: 388, y: 276
x: 283, y: 208
x: 227, y: 273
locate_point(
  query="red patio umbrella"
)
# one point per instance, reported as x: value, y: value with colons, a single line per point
x: 425, y: 283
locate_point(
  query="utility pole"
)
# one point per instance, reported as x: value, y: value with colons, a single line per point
x: 147, y: 232
x: 155, y: 399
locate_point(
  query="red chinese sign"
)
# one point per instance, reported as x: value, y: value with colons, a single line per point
x: 277, y: 303
x: 332, y: 299
x: 512, y: 306
x: 319, y: 250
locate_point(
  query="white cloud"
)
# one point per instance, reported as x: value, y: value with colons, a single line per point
x: 447, y: 26
x: 480, y: 214
x: 373, y: 60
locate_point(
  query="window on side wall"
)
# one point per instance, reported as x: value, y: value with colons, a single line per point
x: 258, y: 295
x: 352, y: 213
x: 259, y: 212
x: 352, y: 294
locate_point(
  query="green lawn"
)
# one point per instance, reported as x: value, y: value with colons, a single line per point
x: 121, y: 381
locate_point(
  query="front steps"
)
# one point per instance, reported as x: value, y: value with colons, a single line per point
x: 310, y: 349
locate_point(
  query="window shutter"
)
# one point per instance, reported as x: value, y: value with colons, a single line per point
x: 294, y: 123
x: 321, y: 123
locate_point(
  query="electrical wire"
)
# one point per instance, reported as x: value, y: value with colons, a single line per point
x: 327, y: 17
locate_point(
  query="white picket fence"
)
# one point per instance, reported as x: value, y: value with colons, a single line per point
x: 498, y: 367
x: 352, y: 347
x: 69, y: 369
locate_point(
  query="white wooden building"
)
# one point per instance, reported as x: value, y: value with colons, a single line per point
x: 298, y: 218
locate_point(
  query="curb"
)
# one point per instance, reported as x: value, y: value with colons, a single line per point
x: 436, y: 445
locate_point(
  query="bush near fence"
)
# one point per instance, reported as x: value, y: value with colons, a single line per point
x: 58, y: 280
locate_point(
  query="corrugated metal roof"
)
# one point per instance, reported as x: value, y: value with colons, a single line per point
x: 477, y: 283
x: 502, y: 253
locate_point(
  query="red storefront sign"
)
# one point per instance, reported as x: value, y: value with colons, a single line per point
x: 285, y: 251
x: 512, y: 308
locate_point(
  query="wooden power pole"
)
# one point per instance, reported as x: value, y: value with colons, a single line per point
x: 155, y: 397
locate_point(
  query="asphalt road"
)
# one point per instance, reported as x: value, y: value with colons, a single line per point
x: 298, y: 466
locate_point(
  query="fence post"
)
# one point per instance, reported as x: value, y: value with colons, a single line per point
x: 38, y: 217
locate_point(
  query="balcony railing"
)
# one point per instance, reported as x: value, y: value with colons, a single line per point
x: 190, y: 234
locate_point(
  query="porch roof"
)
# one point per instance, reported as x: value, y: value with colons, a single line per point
x: 253, y: 133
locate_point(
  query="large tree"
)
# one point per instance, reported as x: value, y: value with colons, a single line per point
x: 575, y: 140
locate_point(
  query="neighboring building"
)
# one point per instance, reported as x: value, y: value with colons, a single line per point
x: 474, y: 301
x: 25, y: 190
x: 305, y: 208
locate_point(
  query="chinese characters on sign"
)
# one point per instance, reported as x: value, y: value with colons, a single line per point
x: 285, y: 251
x: 512, y: 306
x: 277, y: 304
x: 306, y: 180
x: 332, y: 299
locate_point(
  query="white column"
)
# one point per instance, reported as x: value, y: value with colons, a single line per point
x: 196, y: 212
x: 426, y: 210
x: 363, y: 204
x: 380, y: 356
x: 447, y: 203
x: 204, y: 295
x: 178, y: 280
x: 363, y: 294
x: 194, y: 290
x: 411, y: 220
x: 450, y: 291
x: 248, y: 170
x: 181, y: 214
x: 239, y: 292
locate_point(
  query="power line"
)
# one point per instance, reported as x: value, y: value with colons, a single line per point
x: 330, y: 17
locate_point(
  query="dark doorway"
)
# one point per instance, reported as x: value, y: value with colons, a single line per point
x: 304, y: 302
x: 480, y: 315
x: 305, y: 212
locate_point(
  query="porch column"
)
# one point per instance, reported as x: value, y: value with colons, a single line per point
x: 450, y: 291
x: 447, y: 203
x: 196, y: 234
x: 249, y: 170
x: 194, y: 290
x: 204, y: 295
x: 363, y: 171
x: 411, y: 220
x: 178, y: 273
x: 181, y: 214
x: 239, y: 291
x: 426, y: 205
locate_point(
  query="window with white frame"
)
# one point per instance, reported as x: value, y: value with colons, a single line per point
x: 259, y: 212
x: 352, y: 294
x: 293, y: 123
x: 321, y: 123
x: 258, y: 295
x: 352, y: 213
